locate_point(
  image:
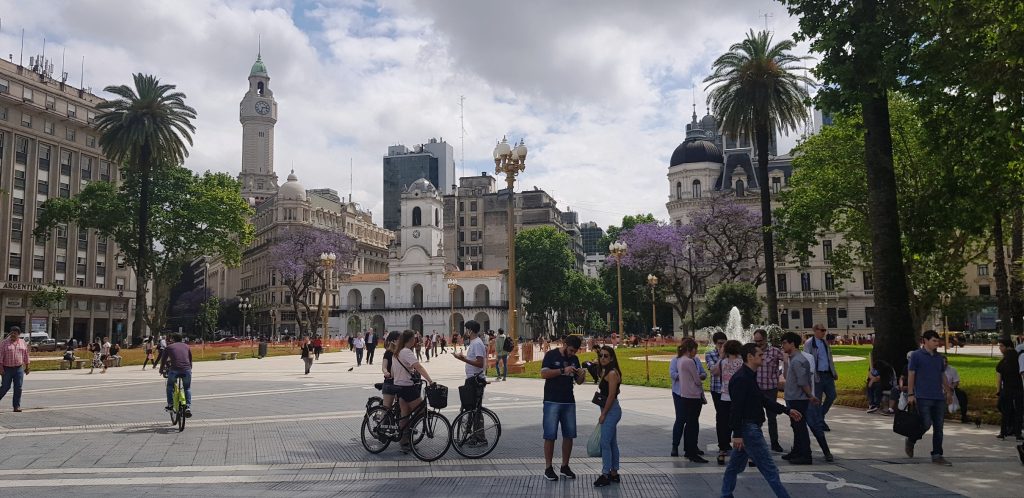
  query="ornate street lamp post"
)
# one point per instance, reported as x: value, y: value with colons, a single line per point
x: 653, y: 282
x: 453, y: 283
x: 243, y: 307
x: 510, y: 161
x: 618, y: 250
x: 327, y: 260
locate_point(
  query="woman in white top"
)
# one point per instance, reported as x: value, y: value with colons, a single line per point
x: 403, y: 366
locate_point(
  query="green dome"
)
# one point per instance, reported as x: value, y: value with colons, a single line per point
x: 258, y: 69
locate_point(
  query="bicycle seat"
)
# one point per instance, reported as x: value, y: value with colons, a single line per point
x: 379, y: 386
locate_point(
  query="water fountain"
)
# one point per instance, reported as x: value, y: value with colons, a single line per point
x: 734, y: 329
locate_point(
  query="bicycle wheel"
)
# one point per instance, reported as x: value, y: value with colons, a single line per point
x: 374, y: 432
x: 479, y: 441
x: 181, y: 418
x: 432, y: 436
x: 174, y: 406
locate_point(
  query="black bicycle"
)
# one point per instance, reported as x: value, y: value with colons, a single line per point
x: 430, y: 432
x: 476, y: 430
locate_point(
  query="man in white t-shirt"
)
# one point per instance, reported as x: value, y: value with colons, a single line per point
x: 475, y: 358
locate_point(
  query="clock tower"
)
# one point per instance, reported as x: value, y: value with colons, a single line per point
x: 422, y: 219
x: 258, y: 113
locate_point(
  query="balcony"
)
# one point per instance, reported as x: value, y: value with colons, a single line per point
x: 809, y: 295
x: 445, y: 305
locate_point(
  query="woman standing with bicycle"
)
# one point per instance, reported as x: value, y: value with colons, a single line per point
x: 388, y: 391
x: 611, y: 414
x: 406, y: 371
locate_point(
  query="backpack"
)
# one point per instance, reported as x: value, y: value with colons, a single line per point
x: 507, y: 346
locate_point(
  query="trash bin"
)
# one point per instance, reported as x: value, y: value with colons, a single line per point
x: 263, y: 349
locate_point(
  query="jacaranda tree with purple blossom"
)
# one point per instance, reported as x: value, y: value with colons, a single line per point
x: 722, y: 243
x: 295, y: 256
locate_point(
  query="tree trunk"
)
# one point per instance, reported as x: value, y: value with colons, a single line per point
x: 894, y: 327
x: 763, y: 136
x: 1016, y: 282
x: 999, y: 272
x: 142, y: 263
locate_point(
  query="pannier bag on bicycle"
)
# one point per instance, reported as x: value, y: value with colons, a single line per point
x: 437, y: 396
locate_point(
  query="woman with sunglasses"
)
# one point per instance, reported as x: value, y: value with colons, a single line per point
x: 611, y: 414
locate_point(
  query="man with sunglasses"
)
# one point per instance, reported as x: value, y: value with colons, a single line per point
x: 768, y: 381
x: 825, y: 375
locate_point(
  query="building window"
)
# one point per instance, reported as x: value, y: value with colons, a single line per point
x: 72, y: 112
x: 44, y: 157
x: 26, y: 94
x: 826, y: 250
x: 26, y: 120
x: 64, y: 190
x: 65, y: 162
x: 740, y: 190
x: 472, y: 205
x: 696, y: 189
x: 437, y: 217
x: 462, y: 221
x: 869, y: 316
x: 3, y: 113
x: 21, y: 150
x: 776, y: 185
x: 90, y: 141
x: 48, y: 127
x: 69, y: 133
x: 805, y: 281
x: 417, y: 216
x: 90, y: 117
x: 19, y: 183
x: 472, y: 221
x: 5, y: 86
x: 16, y: 225
x: 869, y: 280
x: 830, y: 281
x: 105, y: 171
x: 462, y: 237
x: 982, y: 270
x: 86, y: 168
x: 51, y: 103
x: 780, y: 282
x: 43, y: 187
x: 984, y: 290
x: 679, y: 190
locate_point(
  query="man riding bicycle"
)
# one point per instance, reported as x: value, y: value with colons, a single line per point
x: 175, y: 363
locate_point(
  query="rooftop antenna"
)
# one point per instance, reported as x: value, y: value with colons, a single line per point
x: 351, y: 184
x: 766, y: 16
x: 462, y: 126
x: 21, y: 57
x: 81, y: 83
x: 63, y: 73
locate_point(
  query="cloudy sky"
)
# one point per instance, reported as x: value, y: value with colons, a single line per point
x: 600, y: 90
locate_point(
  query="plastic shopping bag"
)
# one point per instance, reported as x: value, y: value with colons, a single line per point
x: 594, y: 443
x: 954, y: 406
x: 904, y: 401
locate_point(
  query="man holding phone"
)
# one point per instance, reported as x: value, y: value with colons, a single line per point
x: 560, y: 371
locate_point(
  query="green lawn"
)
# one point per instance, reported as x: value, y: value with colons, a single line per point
x: 977, y: 375
x: 137, y: 356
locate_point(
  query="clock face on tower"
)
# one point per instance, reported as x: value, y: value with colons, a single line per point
x: 262, y: 107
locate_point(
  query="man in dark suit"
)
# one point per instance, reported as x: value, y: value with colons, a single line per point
x: 371, y: 345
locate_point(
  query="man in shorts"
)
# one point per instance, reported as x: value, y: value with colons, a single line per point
x: 560, y: 370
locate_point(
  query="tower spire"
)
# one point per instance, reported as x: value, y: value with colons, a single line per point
x: 259, y: 46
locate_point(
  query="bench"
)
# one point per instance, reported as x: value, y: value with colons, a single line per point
x: 80, y: 363
x: 233, y: 355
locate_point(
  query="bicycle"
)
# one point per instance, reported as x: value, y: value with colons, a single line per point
x: 178, y: 404
x: 429, y: 431
x: 476, y: 430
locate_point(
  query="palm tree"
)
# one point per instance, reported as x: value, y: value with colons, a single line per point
x: 756, y: 88
x: 147, y: 128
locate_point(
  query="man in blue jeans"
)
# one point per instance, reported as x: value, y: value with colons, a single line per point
x: 746, y: 416
x: 825, y: 374
x: 177, y: 362
x: 560, y: 370
x: 928, y: 391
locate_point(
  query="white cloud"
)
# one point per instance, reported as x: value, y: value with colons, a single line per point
x: 600, y: 90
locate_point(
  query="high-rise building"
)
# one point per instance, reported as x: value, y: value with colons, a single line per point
x: 592, y: 234
x: 49, y: 148
x: 434, y: 161
x: 476, y: 223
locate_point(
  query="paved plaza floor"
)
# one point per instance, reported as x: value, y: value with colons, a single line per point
x: 261, y: 428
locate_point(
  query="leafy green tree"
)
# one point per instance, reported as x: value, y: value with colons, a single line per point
x: 543, y: 265
x: 582, y: 301
x: 146, y: 129
x: 943, y: 224
x: 190, y: 216
x: 50, y: 298
x: 720, y: 300
x: 864, y: 48
x: 757, y: 88
x: 209, y: 315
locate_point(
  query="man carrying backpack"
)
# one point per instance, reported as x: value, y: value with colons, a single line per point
x: 503, y: 345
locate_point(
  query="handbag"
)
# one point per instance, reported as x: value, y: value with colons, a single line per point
x: 908, y: 423
x: 599, y: 399
x: 594, y: 443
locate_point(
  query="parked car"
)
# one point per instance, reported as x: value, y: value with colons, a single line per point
x: 46, y: 345
x: 228, y: 339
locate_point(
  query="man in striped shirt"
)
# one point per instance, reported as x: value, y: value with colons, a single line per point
x: 768, y: 381
x: 15, y: 362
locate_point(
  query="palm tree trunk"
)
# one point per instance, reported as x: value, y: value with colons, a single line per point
x: 1002, y: 285
x: 142, y: 263
x: 894, y: 327
x: 1016, y: 282
x: 763, y: 136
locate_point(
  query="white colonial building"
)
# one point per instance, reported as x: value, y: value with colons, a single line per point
x: 414, y: 293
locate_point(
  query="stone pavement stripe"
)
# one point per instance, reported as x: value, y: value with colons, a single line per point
x: 224, y: 421
x: 970, y: 478
x: 105, y: 385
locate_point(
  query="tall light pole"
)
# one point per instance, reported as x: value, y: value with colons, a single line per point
x: 944, y: 300
x: 510, y: 161
x: 653, y: 282
x: 244, y: 306
x: 327, y: 260
x: 453, y: 283
x: 618, y: 250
